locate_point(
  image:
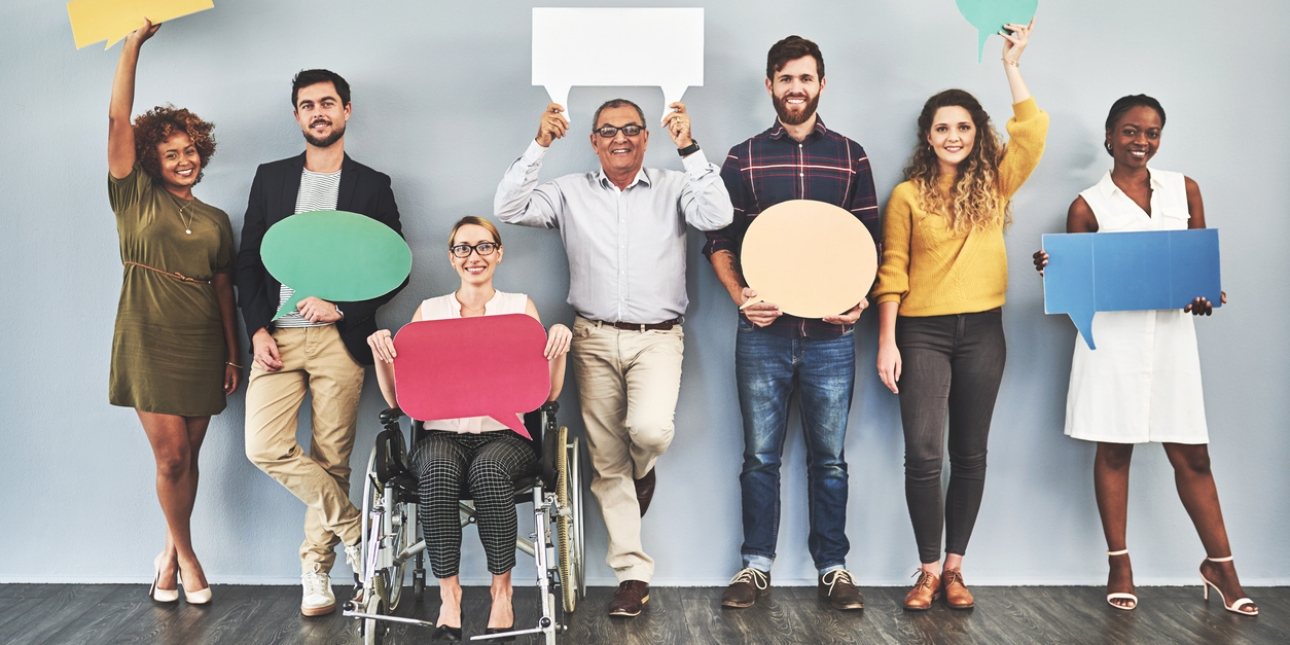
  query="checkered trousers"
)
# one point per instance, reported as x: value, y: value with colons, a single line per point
x: 487, y: 462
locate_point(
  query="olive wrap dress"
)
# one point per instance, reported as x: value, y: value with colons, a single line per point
x: 168, y: 348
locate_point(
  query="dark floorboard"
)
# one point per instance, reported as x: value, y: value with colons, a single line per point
x: 123, y: 615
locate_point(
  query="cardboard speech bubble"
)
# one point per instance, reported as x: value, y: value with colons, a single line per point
x: 489, y: 366
x: 811, y: 258
x: 111, y: 20
x: 336, y: 256
x: 1091, y: 272
x: 597, y: 47
x: 989, y: 16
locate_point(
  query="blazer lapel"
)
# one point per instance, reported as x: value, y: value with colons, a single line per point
x: 290, y: 190
x: 348, y: 180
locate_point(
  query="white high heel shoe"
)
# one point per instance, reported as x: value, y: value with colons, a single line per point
x: 1120, y: 595
x: 196, y: 596
x: 1236, y: 605
x: 160, y: 595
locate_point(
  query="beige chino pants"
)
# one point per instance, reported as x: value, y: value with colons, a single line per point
x: 628, y: 384
x: 314, y: 359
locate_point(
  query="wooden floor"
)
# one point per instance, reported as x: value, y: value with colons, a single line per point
x: 247, y: 615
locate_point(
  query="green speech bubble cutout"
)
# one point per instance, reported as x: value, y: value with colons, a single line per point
x: 336, y: 256
x: 989, y: 16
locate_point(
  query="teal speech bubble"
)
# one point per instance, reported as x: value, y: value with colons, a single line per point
x: 989, y: 16
x: 336, y: 256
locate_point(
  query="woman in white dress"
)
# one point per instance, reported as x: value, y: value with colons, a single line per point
x: 479, y: 452
x: 1143, y: 382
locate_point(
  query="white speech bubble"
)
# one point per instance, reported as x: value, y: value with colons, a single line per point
x: 598, y: 47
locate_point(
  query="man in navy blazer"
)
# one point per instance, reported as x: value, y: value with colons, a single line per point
x: 321, y: 347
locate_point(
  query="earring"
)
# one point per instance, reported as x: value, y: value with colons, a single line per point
x: 1108, y: 146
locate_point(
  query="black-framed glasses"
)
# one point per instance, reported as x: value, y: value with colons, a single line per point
x: 484, y: 249
x: 609, y: 131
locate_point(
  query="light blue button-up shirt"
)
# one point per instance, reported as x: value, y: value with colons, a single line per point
x: 626, y: 247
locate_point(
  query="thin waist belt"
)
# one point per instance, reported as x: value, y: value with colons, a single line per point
x: 661, y: 326
x: 176, y: 275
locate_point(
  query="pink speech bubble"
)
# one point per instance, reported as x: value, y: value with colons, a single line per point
x: 491, y: 366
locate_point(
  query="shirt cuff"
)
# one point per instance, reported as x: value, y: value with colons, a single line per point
x: 696, y: 164
x: 533, y: 154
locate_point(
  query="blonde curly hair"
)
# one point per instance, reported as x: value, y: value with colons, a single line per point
x: 974, y: 201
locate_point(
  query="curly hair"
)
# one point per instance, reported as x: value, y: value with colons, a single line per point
x: 974, y: 201
x: 157, y: 125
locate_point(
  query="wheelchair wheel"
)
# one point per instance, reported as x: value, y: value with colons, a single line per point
x: 579, y: 551
x: 569, y: 521
x: 373, y: 631
x: 395, y: 524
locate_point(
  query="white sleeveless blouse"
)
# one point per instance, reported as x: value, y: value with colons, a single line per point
x: 1142, y: 383
x: 447, y: 307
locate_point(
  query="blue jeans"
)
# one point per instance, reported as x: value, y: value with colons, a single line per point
x: 768, y: 368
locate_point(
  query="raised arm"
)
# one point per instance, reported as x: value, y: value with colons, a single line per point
x: 1015, y: 39
x: 519, y: 199
x: 705, y: 202
x: 121, y: 155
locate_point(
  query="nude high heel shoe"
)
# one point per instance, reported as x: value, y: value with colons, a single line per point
x: 160, y: 595
x: 1120, y: 595
x: 1237, y: 604
x: 196, y: 596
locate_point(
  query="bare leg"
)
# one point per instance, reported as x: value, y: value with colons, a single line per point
x: 450, y: 602
x: 176, y: 442
x: 1111, y: 484
x: 1200, y: 497
x: 501, y: 616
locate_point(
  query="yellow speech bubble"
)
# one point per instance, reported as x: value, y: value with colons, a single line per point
x: 112, y: 20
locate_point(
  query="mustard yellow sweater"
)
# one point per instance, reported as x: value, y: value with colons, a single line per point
x: 933, y: 271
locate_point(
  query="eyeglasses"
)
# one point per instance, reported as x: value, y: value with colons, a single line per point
x: 609, y: 131
x: 484, y: 249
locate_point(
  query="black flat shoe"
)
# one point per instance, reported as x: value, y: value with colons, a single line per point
x: 498, y: 630
x: 446, y: 634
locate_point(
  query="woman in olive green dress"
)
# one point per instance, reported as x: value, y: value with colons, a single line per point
x: 174, y: 350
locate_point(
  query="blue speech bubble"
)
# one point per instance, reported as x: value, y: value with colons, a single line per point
x: 1091, y: 272
x: 989, y: 16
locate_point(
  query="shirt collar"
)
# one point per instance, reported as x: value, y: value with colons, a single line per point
x: 1109, y: 188
x: 641, y: 177
x: 778, y: 131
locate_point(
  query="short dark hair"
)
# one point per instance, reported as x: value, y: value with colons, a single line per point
x: 1126, y: 103
x: 309, y: 77
x: 792, y: 48
x: 615, y: 103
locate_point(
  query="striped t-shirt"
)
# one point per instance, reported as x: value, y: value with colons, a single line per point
x: 317, y: 192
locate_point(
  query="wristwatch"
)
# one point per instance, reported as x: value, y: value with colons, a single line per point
x: 688, y: 150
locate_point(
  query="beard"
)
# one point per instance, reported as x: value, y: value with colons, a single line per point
x: 326, y: 141
x: 789, y: 118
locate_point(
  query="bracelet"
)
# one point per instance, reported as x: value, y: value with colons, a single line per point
x: 1011, y: 62
x: 233, y: 365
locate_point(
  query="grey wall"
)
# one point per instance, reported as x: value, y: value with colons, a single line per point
x: 442, y: 102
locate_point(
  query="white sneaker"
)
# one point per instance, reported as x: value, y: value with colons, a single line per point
x: 354, y: 558
x: 318, y: 598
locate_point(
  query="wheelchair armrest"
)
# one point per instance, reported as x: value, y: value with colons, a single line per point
x: 551, y: 407
x: 390, y: 415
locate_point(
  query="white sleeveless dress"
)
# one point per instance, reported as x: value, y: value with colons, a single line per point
x: 447, y: 307
x: 1142, y: 383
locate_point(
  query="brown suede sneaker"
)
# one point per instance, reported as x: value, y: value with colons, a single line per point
x: 839, y: 588
x: 957, y: 595
x: 645, y: 490
x: 630, y: 599
x: 745, y: 588
x: 926, y: 590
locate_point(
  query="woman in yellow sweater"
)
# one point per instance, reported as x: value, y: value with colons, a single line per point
x: 940, y: 291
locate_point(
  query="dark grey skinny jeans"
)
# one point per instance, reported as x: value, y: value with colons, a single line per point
x: 948, y: 363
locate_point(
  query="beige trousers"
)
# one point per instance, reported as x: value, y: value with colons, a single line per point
x: 313, y: 359
x: 628, y: 383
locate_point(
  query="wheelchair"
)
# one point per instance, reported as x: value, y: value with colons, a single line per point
x: 554, y: 487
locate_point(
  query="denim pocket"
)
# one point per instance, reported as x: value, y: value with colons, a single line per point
x: 744, y: 325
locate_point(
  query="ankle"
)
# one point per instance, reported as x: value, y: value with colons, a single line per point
x: 933, y: 568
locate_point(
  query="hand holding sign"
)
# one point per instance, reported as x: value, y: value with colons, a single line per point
x: 111, y: 20
x: 583, y: 46
x: 336, y: 256
x: 813, y: 259
x: 470, y: 367
x: 1091, y: 272
x: 990, y: 16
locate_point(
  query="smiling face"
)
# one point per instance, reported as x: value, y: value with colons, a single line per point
x: 475, y: 269
x: 179, y: 161
x: 795, y: 90
x: 1135, y: 137
x: 321, y: 116
x: 620, y: 153
x: 952, y: 136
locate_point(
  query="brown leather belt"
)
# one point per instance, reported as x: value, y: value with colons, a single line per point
x: 175, y: 274
x: 661, y: 326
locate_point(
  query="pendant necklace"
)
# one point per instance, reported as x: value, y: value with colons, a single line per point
x: 188, y: 223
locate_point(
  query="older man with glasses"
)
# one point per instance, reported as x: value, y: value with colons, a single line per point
x: 624, y: 230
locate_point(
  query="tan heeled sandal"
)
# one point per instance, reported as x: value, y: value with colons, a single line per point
x: 1120, y: 595
x: 1237, y: 604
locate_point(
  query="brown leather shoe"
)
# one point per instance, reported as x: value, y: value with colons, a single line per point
x: 745, y: 588
x: 645, y: 490
x: 630, y: 599
x: 839, y: 588
x: 927, y: 589
x: 957, y: 595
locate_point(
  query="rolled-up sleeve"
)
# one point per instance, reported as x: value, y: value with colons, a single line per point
x: 726, y: 238
x: 520, y: 200
x: 704, y: 201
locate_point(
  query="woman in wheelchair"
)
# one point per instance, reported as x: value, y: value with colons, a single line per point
x: 478, y: 451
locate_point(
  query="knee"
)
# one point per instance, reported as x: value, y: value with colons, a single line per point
x: 651, y: 435
x: 173, y: 463
x: 1191, y: 460
x: 761, y: 461
x: 488, y: 475
x: 264, y: 456
x: 440, y: 474
x: 1115, y: 456
x: 967, y: 463
x: 923, y: 467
